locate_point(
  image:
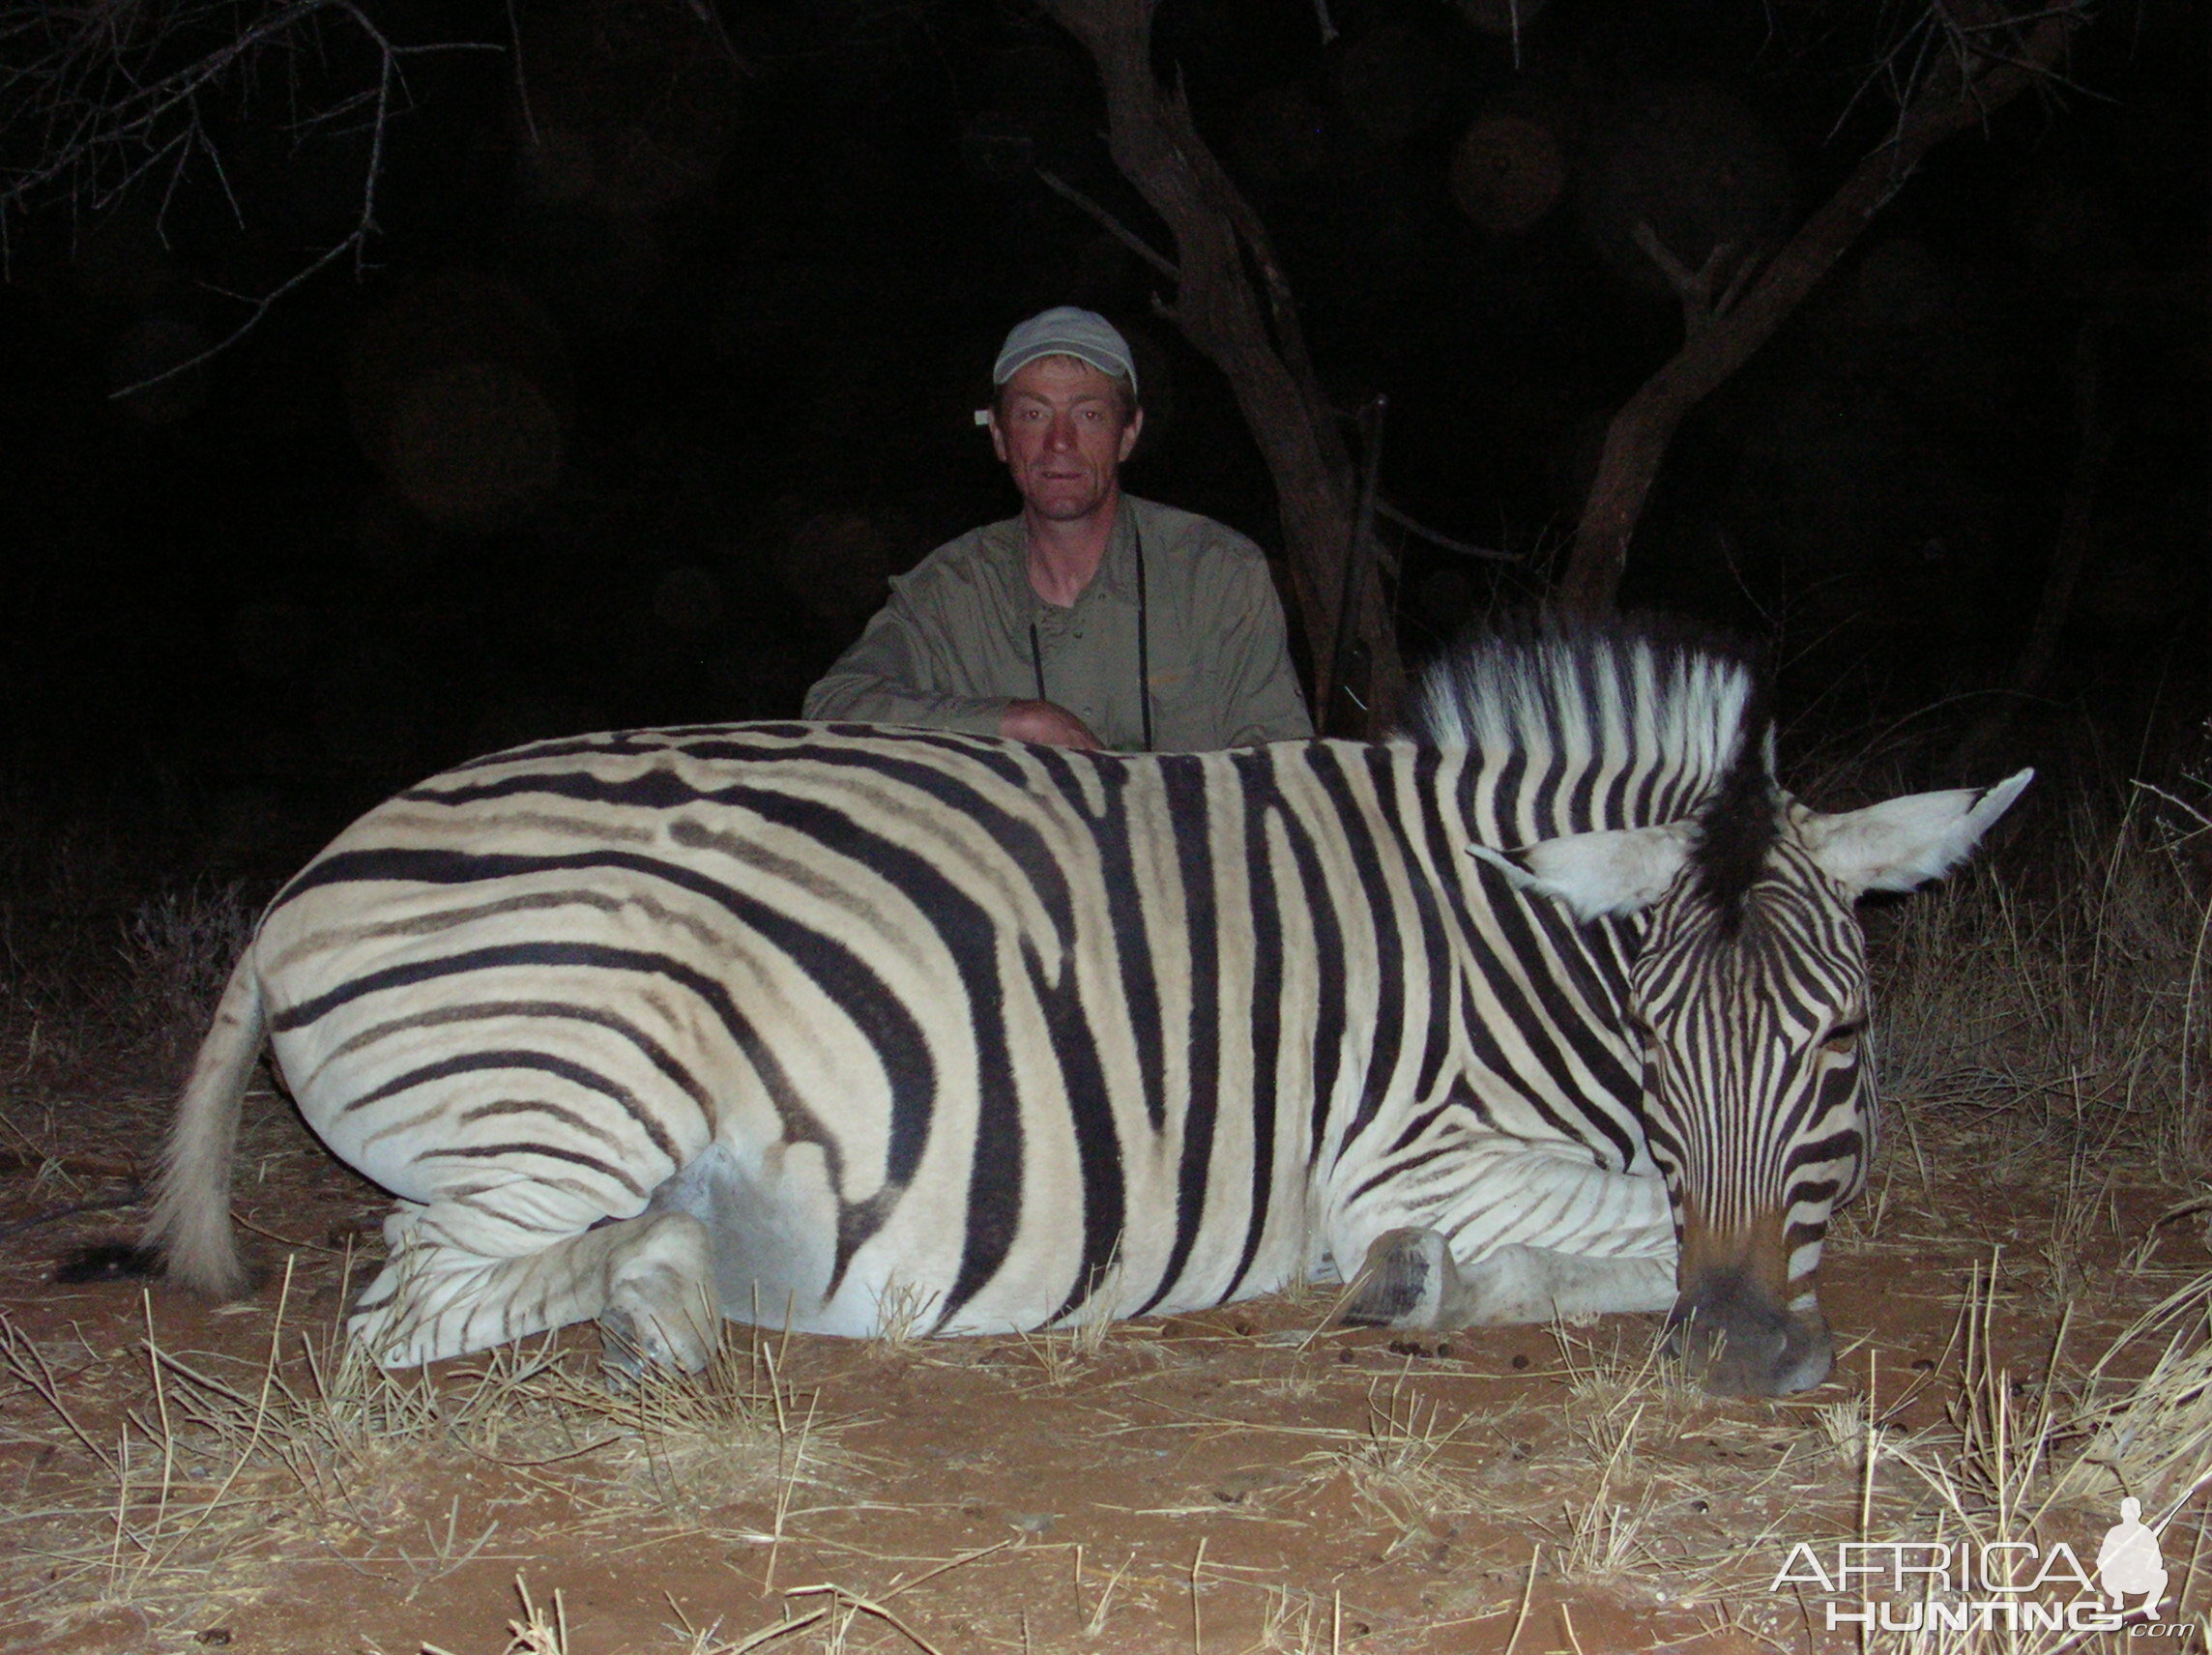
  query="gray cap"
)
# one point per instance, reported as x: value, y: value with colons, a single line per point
x: 1066, y: 332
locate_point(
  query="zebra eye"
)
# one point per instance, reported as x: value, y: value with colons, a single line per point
x: 1843, y: 1039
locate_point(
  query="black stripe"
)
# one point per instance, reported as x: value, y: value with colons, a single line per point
x: 1648, y: 805
x: 1434, y: 894
x: 1189, y: 824
x: 1425, y: 1119
x: 1505, y: 797
x: 657, y: 1054
x: 1110, y: 832
x: 542, y: 1063
x: 560, y: 1112
x: 1311, y: 895
x: 1546, y: 778
x: 1820, y: 1151
x: 1091, y: 1112
x: 1464, y: 791
x: 1613, y: 812
x: 657, y: 788
x: 1581, y: 814
x: 1390, y: 1008
x: 1256, y: 775
x: 543, y: 1151
x: 1796, y: 1235
x: 1394, y: 1170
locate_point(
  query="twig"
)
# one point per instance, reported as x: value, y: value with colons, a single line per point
x: 1113, y: 226
x: 1197, y: 1626
x: 134, y: 1197
x: 283, y: 1240
x: 839, y: 1598
x: 1528, y: 1591
x: 106, y: 98
x: 1390, y: 513
x: 260, y: 1407
x: 24, y: 1359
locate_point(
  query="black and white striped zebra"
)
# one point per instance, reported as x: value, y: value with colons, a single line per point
x: 1551, y: 1008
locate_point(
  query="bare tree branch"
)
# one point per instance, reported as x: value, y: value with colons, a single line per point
x: 1994, y: 57
x: 102, y: 98
x: 1112, y: 225
x: 1390, y: 513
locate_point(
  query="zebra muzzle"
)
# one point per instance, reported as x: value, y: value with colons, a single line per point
x: 1738, y: 1339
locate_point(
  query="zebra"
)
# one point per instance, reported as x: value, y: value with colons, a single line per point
x: 1553, y: 1005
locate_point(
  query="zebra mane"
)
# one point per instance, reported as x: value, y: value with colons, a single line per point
x: 1736, y: 828
x: 1598, y: 696
x: 1662, y: 689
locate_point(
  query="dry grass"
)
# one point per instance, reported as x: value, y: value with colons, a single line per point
x: 537, y: 1632
x: 2149, y: 1436
x: 1407, y: 1467
x: 2070, y: 1007
x: 93, y: 964
x: 214, y: 1481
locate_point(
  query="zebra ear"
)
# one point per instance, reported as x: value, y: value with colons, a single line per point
x: 1619, y: 870
x: 1904, y: 842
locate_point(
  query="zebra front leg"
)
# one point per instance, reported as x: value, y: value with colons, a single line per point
x: 1528, y: 1232
x: 1411, y: 1280
x: 648, y: 1281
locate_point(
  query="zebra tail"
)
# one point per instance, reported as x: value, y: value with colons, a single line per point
x: 191, y: 1227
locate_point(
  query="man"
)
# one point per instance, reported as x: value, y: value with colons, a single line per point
x: 1093, y: 619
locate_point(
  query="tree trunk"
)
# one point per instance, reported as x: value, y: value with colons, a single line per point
x: 1157, y: 147
x: 1720, y: 338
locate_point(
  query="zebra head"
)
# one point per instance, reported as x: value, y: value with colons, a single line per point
x: 1749, y: 993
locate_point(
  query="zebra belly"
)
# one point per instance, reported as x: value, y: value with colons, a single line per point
x: 772, y: 1220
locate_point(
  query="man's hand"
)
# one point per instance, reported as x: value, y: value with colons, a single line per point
x: 1048, y: 724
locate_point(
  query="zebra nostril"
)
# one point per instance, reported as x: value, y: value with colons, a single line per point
x: 1734, y: 1343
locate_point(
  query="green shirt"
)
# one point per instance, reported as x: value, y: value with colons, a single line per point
x: 955, y: 645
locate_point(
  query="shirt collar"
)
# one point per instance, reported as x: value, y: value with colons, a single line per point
x: 1117, y: 575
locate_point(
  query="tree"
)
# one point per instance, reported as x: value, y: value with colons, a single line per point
x: 1250, y: 330
x: 99, y: 102
x: 1987, y: 58
x: 159, y: 100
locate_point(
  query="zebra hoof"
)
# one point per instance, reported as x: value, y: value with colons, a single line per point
x: 659, y: 1308
x: 621, y: 1360
x: 1408, y: 1280
x: 631, y: 1342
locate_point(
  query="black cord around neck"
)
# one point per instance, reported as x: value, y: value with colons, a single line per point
x: 1143, y: 636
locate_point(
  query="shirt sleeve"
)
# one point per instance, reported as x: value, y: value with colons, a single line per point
x: 1257, y: 688
x: 893, y: 673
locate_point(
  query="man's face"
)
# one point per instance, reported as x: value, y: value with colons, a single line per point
x: 1062, y: 434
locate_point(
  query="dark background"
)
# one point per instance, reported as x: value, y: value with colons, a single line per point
x: 721, y: 325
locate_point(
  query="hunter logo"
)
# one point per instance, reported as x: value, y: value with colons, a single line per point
x: 1963, y: 1585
